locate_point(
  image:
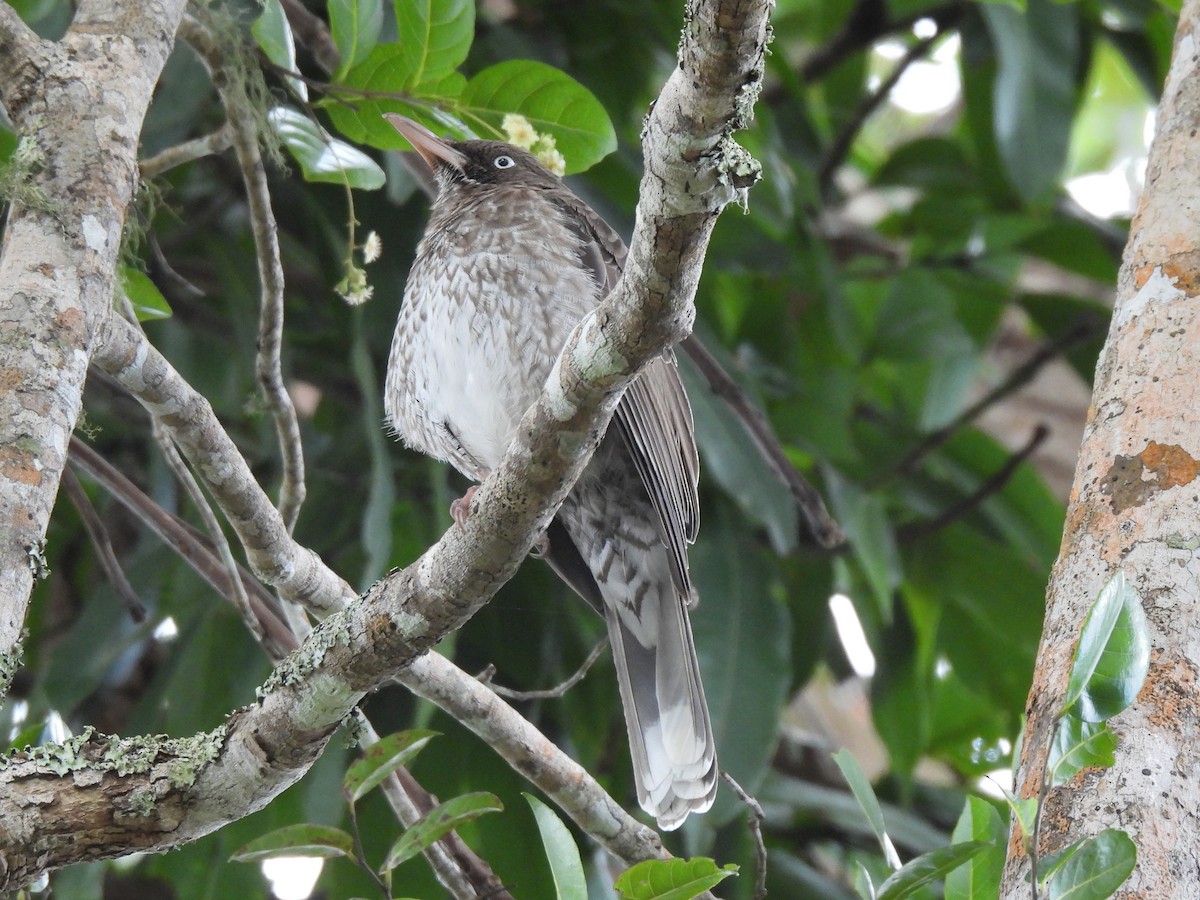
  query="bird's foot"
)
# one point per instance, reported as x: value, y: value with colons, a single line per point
x: 460, y: 509
x: 541, y: 546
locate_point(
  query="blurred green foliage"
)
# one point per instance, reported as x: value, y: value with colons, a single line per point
x: 859, y: 335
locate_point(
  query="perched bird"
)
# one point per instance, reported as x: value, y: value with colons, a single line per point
x: 511, y: 260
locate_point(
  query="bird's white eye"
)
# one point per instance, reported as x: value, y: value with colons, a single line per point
x: 503, y: 162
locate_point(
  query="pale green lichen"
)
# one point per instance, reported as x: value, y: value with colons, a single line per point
x: 90, y: 751
x: 325, y: 699
x: 1177, y: 541
x: 301, y: 662
x: 10, y: 662
x: 17, y: 184
x: 141, y: 803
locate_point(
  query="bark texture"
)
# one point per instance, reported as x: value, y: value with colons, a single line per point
x: 1135, y: 508
x: 78, y: 105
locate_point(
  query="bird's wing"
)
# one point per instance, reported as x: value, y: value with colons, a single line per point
x: 654, y: 418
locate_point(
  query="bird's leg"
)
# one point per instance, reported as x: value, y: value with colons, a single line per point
x: 460, y: 509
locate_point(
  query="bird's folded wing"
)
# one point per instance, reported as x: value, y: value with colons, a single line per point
x: 654, y: 417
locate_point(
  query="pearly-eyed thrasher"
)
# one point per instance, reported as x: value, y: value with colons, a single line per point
x: 510, y: 262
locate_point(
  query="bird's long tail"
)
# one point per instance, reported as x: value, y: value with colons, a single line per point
x: 670, y: 735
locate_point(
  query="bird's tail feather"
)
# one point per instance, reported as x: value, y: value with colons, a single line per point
x: 670, y: 735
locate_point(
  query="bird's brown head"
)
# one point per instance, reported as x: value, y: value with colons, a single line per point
x: 473, y: 163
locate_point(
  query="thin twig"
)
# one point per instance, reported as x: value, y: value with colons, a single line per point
x: 754, y: 820
x: 1017, y: 378
x: 268, y: 363
x: 192, y: 547
x: 819, y: 525
x: 844, y: 140
x: 992, y: 485
x: 549, y: 693
x: 237, y: 590
x: 208, y: 145
x: 98, y: 535
x: 865, y: 25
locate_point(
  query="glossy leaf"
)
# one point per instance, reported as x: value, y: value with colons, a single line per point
x: 867, y: 802
x: 928, y: 868
x: 274, y: 35
x: 552, y: 101
x: 1113, y: 655
x: 1096, y: 869
x: 743, y: 643
x: 320, y: 841
x: 1079, y: 745
x: 148, y: 302
x: 440, y: 820
x: 355, y: 26
x: 671, y: 879
x: 383, y: 758
x: 570, y: 883
x: 321, y: 157
x: 435, y: 36
x: 979, y: 877
x: 1035, y: 90
x: 385, y: 72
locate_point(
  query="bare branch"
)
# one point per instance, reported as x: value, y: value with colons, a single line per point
x: 243, y: 127
x: 208, y: 145
x: 485, y: 677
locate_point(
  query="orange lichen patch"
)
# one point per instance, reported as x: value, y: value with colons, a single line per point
x: 1171, y: 464
x: 1183, y: 272
x: 1169, y: 692
x: 1132, y: 480
x: 71, y: 322
x: 19, y: 465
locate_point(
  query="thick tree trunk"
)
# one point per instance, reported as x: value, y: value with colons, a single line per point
x: 1135, y: 509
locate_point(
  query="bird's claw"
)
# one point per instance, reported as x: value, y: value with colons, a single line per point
x: 460, y: 509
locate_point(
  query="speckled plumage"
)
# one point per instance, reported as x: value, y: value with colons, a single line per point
x: 511, y: 260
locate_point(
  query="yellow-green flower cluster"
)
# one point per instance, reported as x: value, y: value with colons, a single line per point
x: 520, y: 132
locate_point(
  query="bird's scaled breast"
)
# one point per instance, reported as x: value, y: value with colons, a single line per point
x: 486, y: 311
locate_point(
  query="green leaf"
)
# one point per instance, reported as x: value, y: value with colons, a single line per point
x: 732, y: 458
x: 148, y: 302
x: 1096, y: 869
x: 867, y: 801
x: 385, y: 71
x: 383, y: 758
x: 570, y: 883
x: 671, y: 879
x: 1079, y: 745
x: 321, y: 157
x: 434, y: 37
x: 743, y: 641
x: 443, y: 818
x: 1113, y: 656
x: 321, y: 841
x: 1025, y: 810
x: 355, y: 27
x: 864, y: 517
x: 1035, y: 90
x: 274, y: 36
x: 928, y: 868
x: 979, y: 878
x: 552, y: 101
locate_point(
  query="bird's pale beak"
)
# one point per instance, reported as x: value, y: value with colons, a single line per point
x: 432, y: 148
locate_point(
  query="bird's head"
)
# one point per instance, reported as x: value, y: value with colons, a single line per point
x: 481, y: 163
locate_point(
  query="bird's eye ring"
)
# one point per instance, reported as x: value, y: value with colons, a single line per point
x: 503, y: 162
